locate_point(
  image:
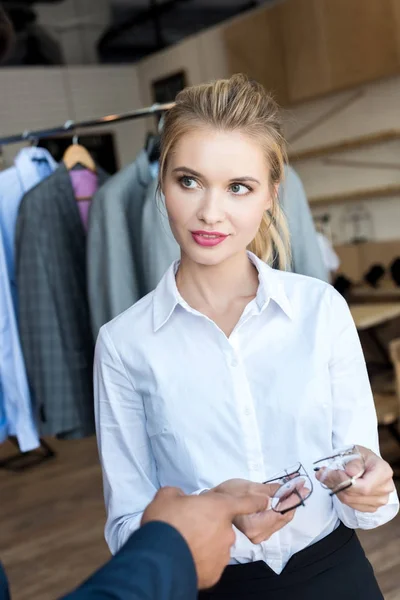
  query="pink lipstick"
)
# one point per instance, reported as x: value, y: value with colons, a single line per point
x: 208, y: 239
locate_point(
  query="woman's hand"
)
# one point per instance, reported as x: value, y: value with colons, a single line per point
x: 260, y: 526
x: 372, y: 490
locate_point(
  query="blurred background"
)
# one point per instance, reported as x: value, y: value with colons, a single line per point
x: 334, y: 66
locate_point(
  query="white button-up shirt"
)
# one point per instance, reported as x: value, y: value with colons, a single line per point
x: 178, y: 403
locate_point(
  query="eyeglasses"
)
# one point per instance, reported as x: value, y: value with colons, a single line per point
x: 340, y: 471
x: 294, y: 488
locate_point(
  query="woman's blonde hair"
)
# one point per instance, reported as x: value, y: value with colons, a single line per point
x: 237, y: 104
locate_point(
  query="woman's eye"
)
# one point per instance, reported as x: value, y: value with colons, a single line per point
x: 239, y: 189
x: 188, y: 182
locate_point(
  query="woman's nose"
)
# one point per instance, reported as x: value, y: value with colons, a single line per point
x: 211, y: 209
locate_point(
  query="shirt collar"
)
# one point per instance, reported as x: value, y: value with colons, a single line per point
x: 25, y: 164
x: 271, y: 287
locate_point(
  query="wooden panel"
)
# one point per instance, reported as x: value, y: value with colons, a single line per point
x: 306, y: 60
x: 356, y: 259
x: 349, y: 256
x: 378, y: 252
x: 396, y: 20
x: 361, y: 40
x: 254, y: 45
x: 335, y: 44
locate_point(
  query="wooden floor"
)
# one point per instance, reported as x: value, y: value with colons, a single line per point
x: 51, y: 530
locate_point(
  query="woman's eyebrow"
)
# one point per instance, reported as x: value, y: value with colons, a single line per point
x: 243, y: 178
x: 187, y: 170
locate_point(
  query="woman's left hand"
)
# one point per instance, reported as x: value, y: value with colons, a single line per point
x: 372, y: 490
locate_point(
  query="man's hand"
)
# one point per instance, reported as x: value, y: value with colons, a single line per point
x: 206, y: 524
x: 372, y: 490
x: 260, y: 526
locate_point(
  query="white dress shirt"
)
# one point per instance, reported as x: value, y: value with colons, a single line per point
x: 178, y: 403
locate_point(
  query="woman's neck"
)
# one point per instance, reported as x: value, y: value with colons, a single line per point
x: 217, y: 286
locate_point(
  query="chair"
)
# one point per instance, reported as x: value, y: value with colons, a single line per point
x: 394, y: 351
x: 387, y: 394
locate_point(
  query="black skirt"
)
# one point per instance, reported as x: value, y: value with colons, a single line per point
x: 334, y: 568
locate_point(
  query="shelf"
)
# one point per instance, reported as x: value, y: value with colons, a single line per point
x: 345, y: 145
x: 367, y: 194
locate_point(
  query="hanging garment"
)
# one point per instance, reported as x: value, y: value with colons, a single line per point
x: 306, y: 253
x: 115, y: 274
x: 53, y: 308
x: 85, y: 184
x: 329, y: 256
x: 159, y: 247
x: 31, y: 166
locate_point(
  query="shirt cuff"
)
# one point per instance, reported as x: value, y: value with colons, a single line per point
x: 356, y: 519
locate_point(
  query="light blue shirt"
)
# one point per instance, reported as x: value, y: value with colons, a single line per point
x: 31, y: 166
x: 306, y: 252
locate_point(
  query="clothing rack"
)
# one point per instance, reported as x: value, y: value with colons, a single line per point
x: 21, y: 461
x: 74, y: 125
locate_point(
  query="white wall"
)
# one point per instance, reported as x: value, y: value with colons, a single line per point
x: 35, y: 98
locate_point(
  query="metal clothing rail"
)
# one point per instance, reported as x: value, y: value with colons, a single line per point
x: 75, y: 125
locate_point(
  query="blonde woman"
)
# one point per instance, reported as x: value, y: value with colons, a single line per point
x: 231, y: 371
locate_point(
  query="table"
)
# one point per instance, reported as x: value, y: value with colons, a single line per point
x: 368, y: 316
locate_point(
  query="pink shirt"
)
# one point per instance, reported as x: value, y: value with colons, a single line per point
x: 84, y: 184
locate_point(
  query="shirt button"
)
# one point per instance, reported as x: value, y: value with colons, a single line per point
x: 255, y: 467
x: 247, y: 412
x: 234, y: 362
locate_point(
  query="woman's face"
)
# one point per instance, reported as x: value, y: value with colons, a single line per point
x: 216, y: 189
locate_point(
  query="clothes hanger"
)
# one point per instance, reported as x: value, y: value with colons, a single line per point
x: 153, y: 147
x: 78, y: 155
x: 33, y: 140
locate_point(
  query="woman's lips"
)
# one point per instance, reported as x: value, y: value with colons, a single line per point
x: 208, y: 239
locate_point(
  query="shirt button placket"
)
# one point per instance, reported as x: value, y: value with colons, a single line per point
x: 247, y: 415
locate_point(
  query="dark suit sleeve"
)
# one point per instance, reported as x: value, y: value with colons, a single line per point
x: 4, y: 590
x: 155, y: 564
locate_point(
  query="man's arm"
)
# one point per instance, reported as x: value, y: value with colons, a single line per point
x: 4, y: 589
x: 155, y: 563
x: 158, y: 563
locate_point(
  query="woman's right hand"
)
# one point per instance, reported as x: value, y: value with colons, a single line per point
x: 257, y: 527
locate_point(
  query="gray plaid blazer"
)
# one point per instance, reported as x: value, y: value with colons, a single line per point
x: 54, y: 318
